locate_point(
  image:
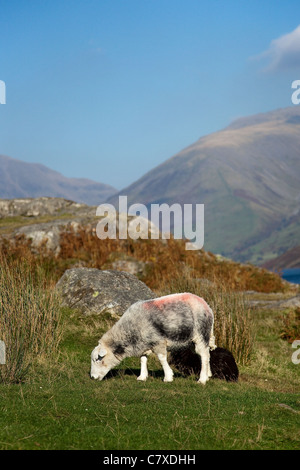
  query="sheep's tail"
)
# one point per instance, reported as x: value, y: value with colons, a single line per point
x: 212, y: 344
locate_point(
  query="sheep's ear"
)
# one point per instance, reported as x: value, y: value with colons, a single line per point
x: 102, y: 352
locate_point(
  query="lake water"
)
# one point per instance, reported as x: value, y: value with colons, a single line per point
x: 291, y: 275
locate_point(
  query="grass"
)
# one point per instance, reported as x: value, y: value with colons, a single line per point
x: 122, y: 414
x: 9, y: 224
x: 60, y: 407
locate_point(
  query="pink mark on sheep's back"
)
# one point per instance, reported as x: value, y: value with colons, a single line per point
x: 192, y: 299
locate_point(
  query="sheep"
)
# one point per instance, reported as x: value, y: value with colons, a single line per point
x: 222, y: 363
x: 153, y: 326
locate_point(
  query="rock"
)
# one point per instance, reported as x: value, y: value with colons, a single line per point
x: 146, y: 230
x: 121, y: 262
x: 47, y: 233
x: 135, y: 225
x: 94, y: 291
x: 35, y: 207
x: 134, y: 267
x: 292, y: 302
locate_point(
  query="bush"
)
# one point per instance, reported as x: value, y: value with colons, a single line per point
x: 30, y: 322
x: 291, y: 325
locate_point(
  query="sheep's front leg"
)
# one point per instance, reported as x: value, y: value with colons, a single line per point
x: 144, y: 371
x: 161, y: 353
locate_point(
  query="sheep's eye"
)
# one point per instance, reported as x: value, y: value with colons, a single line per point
x: 99, y: 358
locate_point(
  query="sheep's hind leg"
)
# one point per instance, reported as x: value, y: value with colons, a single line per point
x: 209, y: 369
x: 161, y: 353
x: 203, y: 352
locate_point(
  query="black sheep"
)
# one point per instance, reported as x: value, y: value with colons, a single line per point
x: 222, y: 363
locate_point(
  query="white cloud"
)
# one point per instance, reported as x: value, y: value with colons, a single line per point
x: 283, y: 52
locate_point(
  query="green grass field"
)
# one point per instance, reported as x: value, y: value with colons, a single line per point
x: 60, y: 407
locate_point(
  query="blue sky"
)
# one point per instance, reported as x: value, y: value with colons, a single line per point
x: 109, y: 89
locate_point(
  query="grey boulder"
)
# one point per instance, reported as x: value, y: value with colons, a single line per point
x: 94, y: 291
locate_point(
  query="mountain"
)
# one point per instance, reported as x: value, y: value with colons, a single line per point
x: 19, y: 179
x: 248, y: 177
x: 289, y: 259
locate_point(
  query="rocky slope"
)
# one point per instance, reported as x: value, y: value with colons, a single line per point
x: 42, y: 221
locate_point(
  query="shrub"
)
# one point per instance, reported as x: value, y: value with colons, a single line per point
x: 291, y: 325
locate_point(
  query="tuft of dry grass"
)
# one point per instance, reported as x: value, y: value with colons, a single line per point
x: 291, y: 325
x: 30, y: 319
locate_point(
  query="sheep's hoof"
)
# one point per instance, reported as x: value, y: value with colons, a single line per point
x: 142, y: 378
x: 168, y: 379
x: 202, y: 381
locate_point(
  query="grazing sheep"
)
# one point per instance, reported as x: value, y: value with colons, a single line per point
x: 153, y: 326
x: 222, y: 363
